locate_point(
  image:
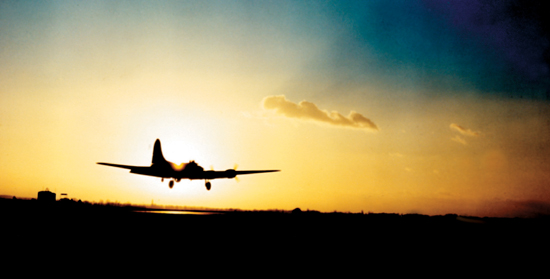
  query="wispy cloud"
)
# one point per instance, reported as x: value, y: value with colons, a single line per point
x: 396, y: 155
x: 459, y: 140
x: 464, y: 131
x: 309, y: 111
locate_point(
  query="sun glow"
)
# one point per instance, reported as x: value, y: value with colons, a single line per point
x: 177, y: 167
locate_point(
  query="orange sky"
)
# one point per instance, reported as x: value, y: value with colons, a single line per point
x: 98, y: 82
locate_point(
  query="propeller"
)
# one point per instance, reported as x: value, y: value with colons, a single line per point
x: 235, y: 168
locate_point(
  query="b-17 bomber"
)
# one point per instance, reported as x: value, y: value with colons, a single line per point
x: 164, y: 169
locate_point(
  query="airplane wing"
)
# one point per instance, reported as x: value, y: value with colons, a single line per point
x: 230, y: 173
x: 118, y: 166
x: 159, y: 172
x: 254, y: 171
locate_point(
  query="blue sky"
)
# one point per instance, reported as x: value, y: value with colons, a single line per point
x: 437, y: 45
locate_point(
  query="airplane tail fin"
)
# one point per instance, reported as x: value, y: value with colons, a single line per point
x: 158, y: 158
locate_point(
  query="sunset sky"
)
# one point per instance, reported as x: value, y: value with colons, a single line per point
x: 417, y: 106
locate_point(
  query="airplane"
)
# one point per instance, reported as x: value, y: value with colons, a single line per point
x: 162, y: 168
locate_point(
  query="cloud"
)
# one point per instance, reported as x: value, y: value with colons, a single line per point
x: 464, y: 131
x: 309, y: 111
x: 459, y: 140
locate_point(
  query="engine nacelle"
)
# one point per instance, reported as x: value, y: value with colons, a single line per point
x: 230, y: 173
x: 208, y: 185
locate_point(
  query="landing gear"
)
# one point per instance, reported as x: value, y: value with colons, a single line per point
x: 208, y: 185
x: 171, y: 184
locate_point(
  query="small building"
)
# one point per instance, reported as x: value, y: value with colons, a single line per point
x: 46, y: 196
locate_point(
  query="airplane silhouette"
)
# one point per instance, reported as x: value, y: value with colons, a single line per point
x: 164, y: 169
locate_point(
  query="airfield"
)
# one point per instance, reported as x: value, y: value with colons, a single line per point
x: 91, y: 236
x: 63, y: 216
